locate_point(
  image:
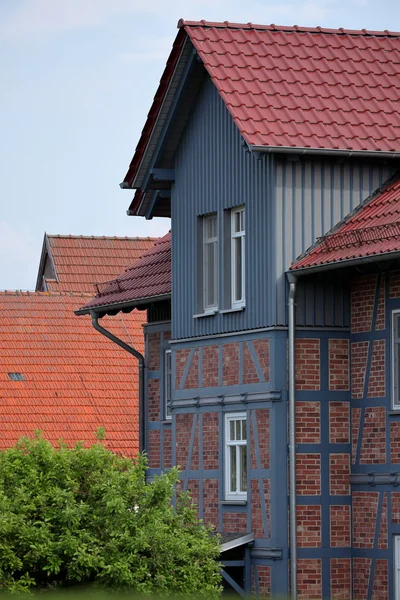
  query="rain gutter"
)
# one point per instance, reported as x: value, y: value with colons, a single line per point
x: 113, y: 308
x: 292, y: 434
x: 140, y: 358
x: 324, y: 152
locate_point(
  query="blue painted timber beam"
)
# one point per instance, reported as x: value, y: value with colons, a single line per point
x: 152, y: 203
x: 162, y: 174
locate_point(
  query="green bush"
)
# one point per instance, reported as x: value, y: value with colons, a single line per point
x: 87, y: 516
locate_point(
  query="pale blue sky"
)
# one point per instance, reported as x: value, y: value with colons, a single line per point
x: 77, y: 78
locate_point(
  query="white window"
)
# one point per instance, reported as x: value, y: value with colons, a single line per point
x: 236, y: 456
x: 237, y: 256
x: 167, y: 384
x: 396, y: 359
x: 397, y: 567
x: 210, y: 262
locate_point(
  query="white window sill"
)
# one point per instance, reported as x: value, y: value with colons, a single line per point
x: 238, y: 502
x: 394, y: 412
x: 206, y: 313
x: 233, y: 309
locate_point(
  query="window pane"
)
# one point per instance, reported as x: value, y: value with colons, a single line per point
x: 232, y: 430
x: 233, y: 467
x: 396, y: 398
x: 238, y: 434
x: 210, y: 300
x: 238, y: 268
x: 237, y: 222
x: 398, y: 326
x: 244, y: 430
x: 243, y: 468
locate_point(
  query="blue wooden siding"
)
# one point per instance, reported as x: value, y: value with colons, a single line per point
x: 288, y: 205
x: 213, y: 171
x: 311, y: 197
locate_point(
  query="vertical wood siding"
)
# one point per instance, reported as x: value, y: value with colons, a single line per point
x: 288, y: 205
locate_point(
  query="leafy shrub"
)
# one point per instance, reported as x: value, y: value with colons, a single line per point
x: 87, y: 516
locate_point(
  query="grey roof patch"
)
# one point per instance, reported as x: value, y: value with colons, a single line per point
x: 233, y: 540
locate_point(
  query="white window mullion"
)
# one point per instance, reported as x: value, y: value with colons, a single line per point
x: 238, y: 256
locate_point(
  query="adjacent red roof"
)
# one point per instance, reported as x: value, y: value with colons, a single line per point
x: 150, y: 277
x: 58, y: 374
x: 373, y: 229
x: 75, y: 263
x: 297, y: 87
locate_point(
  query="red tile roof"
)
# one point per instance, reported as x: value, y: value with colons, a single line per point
x: 371, y: 230
x: 149, y: 277
x: 74, y: 379
x: 78, y: 262
x: 296, y: 87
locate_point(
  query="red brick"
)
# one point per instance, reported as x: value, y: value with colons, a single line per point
x: 339, y: 422
x: 167, y: 447
x: 380, y: 317
x: 210, y: 366
x: 153, y: 352
x: 394, y: 284
x: 154, y: 454
x: 380, y: 590
x: 262, y: 351
x: 359, y: 356
x: 263, y: 448
x: 264, y: 581
x: 395, y: 513
x: 210, y: 440
x: 309, y: 578
x: 362, y: 303
x: 211, y: 502
x: 230, y: 364
x: 365, y: 507
x: 338, y: 364
x: 153, y: 398
x: 340, y: 578
x: 395, y: 442
x: 361, y: 572
x: 192, y: 379
x: 339, y: 474
x: 340, y: 516
x: 184, y: 423
x: 249, y: 369
x: 181, y: 357
x: 234, y: 522
x: 373, y: 446
x: 383, y: 529
x: 194, y: 489
x: 355, y: 431
x: 377, y: 376
x: 195, y: 462
x: 256, y: 511
x: 308, y: 423
x: 307, y: 364
x: 308, y: 526
x: 308, y: 467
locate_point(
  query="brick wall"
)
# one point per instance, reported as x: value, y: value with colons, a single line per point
x: 340, y: 578
x: 307, y: 364
x: 210, y: 366
x: 339, y: 364
x: 309, y: 578
x: 362, y: 303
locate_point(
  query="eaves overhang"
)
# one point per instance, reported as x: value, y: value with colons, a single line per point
x: 344, y: 264
x: 345, y: 153
x: 235, y: 540
x: 181, y: 52
x: 115, y: 307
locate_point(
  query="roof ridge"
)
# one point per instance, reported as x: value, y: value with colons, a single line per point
x: 101, y: 237
x: 287, y: 28
x: 49, y: 293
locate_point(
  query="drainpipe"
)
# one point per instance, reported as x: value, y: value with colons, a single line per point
x: 140, y: 358
x: 292, y: 436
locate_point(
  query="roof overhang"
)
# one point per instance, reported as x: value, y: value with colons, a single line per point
x: 326, y: 152
x: 116, y: 307
x: 345, y: 264
x: 236, y: 540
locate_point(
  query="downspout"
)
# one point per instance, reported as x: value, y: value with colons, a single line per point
x: 140, y: 358
x: 292, y: 436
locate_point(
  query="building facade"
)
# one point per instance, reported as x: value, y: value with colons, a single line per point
x: 258, y: 158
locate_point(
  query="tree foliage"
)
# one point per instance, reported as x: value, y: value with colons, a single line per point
x: 86, y: 515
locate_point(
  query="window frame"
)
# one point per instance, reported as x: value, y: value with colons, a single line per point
x: 395, y: 357
x: 239, y: 495
x: 396, y: 565
x: 206, y: 241
x: 238, y: 303
x: 167, y: 373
